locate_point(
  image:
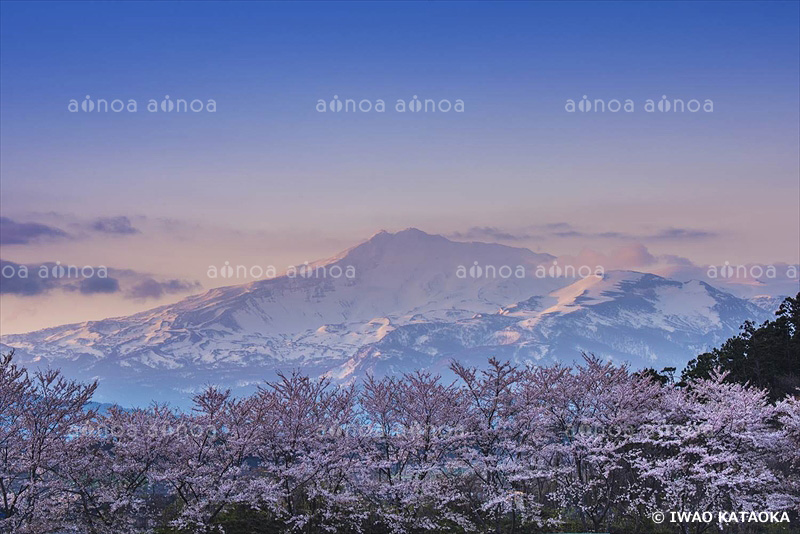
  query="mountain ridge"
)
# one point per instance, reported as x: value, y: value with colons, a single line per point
x: 416, y: 301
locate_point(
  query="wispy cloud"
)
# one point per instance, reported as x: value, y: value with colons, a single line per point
x: 491, y: 233
x: 34, y: 279
x: 681, y: 233
x: 567, y: 231
x: 19, y: 233
x: 114, y: 225
x: 96, y: 284
x: 151, y: 288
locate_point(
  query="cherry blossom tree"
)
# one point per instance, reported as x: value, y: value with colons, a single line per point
x: 590, y: 414
x: 409, y: 473
x: 788, y: 412
x: 15, y: 389
x: 493, y: 421
x: 303, y: 449
x: 206, y: 464
x: 712, y: 451
x: 39, y: 415
x: 503, y: 449
x: 110, y: 466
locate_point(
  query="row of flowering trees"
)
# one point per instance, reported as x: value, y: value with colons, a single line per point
x: 501, y: 449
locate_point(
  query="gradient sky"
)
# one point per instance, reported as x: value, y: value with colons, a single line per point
x: 268, y: 179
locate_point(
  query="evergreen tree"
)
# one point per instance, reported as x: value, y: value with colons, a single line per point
x: 766, y: 356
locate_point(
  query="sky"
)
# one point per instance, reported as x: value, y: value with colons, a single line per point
x: 268, y: 179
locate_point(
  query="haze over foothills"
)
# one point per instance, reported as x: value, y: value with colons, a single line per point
x: 266, y: 179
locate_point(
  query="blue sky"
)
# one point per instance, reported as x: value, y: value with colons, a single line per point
x: 302, y: 184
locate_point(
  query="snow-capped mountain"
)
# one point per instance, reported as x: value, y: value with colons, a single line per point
x: 395, y: 303
x: 642, y: 319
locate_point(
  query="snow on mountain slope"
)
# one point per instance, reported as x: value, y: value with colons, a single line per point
x: 291, y: 321
x: 415, y: 300
x: 767, y: 302
x: 625, y: 316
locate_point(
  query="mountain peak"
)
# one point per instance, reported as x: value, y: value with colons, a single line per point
x: 407, y: 233
x: 417, y: 300
x: 409, y: 241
